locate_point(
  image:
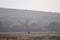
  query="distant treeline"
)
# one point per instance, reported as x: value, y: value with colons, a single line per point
x: 7, y: 26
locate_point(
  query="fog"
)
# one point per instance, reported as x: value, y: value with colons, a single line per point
x: 16, y: 20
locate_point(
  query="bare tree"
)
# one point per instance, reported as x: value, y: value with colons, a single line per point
x: 26, y: 27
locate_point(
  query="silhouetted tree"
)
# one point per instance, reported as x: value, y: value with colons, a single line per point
x: 5, y: 24
x: 54, y: 26
x: 33, y: 26
x: 1, y: 28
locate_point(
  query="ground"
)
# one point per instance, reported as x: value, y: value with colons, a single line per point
x: 31, y: 36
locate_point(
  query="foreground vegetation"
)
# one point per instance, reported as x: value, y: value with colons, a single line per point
x: 31, y: 36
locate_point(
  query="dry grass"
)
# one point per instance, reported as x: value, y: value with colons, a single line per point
x: 31, y: 36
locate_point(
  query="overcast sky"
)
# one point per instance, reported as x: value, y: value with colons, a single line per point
x: 39, y: 5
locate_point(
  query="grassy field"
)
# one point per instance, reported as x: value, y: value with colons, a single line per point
x: 31, y: 36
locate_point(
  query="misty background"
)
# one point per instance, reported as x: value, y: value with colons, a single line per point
x: 38, y: 5
x: 15, y: 20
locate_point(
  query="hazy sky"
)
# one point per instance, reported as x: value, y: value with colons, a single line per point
x: 39, y: 5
